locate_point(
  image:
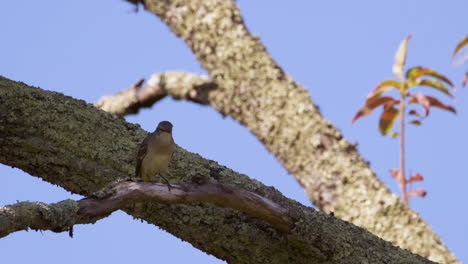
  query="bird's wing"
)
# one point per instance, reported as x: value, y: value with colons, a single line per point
x: 141, y: 155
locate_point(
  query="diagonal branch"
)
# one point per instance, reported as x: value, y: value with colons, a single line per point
x: 72, y: 144
x: 179, y: 85
x: 62, y: 216
x: 255, y: 91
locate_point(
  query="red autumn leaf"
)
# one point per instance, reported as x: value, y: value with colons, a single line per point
x: 436, y: 103
x: 417, y: 72
x: 384, y: 86
x: 415, y: 178
x: 421, y: 99
x: 418, y: 192
x: 387, y: 119
x: 371, y: 104
x: 400, y: 58
x: 416, y: 113
x: 460, y: 45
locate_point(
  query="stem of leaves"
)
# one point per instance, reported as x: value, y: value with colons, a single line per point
x: 402, y: 177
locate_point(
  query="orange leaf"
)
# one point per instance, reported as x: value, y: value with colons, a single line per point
x: 400, y: 58
x: 418, y: 192
x: 371, y: 104
x: 460, y: 45
x: 416, y: 122
x: 387, y: 119
x: 415, y: 178
x: 385, y: 86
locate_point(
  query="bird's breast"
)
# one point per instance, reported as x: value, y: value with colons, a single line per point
x: 158, y: 155
x: 156, y: 162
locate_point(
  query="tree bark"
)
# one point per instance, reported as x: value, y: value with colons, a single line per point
x: 179, y: 85
x: 254, y: 90
x: 72, y: 144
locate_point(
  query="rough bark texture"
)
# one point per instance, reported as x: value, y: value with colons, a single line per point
x: 57, y: 217
x: 70, y: 143
x: 255, y: 91
x: 179, y: 85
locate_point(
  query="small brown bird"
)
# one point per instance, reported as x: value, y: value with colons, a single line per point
x: 155, y: 153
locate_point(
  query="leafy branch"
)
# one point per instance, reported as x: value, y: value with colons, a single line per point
x: 394, y: 108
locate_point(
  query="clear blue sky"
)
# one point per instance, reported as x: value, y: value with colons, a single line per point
x: 338, y: 50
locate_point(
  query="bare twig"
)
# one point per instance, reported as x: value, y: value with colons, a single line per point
x: 201, y: 189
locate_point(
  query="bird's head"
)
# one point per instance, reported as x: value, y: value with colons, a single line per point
x: 165, y: 126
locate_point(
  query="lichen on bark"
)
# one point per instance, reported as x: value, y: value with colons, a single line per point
x: 81, y: 148
x: 255, y: 91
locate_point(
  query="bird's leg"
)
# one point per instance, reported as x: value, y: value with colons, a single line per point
x: 167, y: 182
x: 134, y: 179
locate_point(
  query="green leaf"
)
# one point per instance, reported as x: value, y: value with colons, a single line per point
x: 416, y: 72
x: 373, y: 103
x: 387, y: 119
x: 416, y: 122
x: 385, y: 86
x: 461, y: 45
x: 400, y: 58
x: 434, y: 84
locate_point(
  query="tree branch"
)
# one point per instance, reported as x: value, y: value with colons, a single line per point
x: 179, y: 85
x: 201, y: 189
x: 255, y: 91
x: 61, y: 216
x: 57, y: 217
x: 72, y: 144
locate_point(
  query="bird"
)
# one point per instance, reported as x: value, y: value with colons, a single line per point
x: 155, y: 153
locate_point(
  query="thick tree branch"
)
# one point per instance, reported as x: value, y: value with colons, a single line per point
x: 62, y: 216
x: 255, y: 91
x: 70, y: 143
